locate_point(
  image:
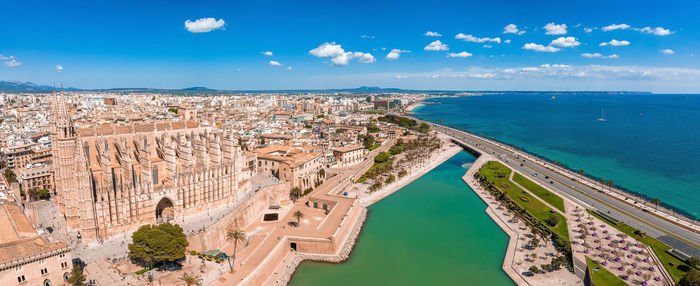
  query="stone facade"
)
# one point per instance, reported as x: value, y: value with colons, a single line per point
x: 299, y: 166
x: 115, y: 178
x: 26, y: 258
x: 349, y: 155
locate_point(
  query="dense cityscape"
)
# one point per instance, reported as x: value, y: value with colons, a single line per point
x: 317, y: 143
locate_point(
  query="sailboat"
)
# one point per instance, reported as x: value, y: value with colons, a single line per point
x: 602, y: 116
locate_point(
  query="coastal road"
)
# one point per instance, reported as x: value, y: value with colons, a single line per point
x: 679, y: 237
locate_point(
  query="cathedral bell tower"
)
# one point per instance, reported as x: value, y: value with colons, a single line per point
x: 71, y: 174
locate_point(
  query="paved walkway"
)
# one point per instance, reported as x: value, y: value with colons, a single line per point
x: 519, y: 257
x: 414, y: 172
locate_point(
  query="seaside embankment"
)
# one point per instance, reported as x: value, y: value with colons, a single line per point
x: 285, y: 270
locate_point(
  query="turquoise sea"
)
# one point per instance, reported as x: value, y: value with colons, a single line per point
x: 434, y: 231
x: 648, y: 144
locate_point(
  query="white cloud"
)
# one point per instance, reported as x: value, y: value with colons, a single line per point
x: 10, y: 61
x: 59, y: 68
x: 432, y: 34
x: 365, y: 58
x: 565, y: 42
x: 615, y: 43
x: 488, y: 46
x: 339, y: 56
x: 554, y: 29
x: 656, y: 31
x: 436, y: 46
x: 598, y: 55
x: 367, y: 37
x: 394, y: 54
x: 512, y: 29
x: 268, y: 53
x: 274, y: 63
x: 289, y: 68
x: 560, y: 71
x: 13, y: 63
x: 587, y: 30
x: 459, y: 55
x: 667, y: 52
x: 540, y: 48
x: 204, y: 25
x: 470, y: 38
x: 507, y: 41
x: 615, y: 27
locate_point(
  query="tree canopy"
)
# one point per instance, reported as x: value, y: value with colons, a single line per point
x: 158, y: 243
x: 382, y: 157
x: 10, y: 176
x: 76, y: 277
x: 691, y: 278
x: 405, y: 123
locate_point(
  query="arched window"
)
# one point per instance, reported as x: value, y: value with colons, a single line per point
x: 47, y: 282
x: 154, y: 173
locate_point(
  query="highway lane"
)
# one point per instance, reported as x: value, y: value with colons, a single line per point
x: 676, y: 236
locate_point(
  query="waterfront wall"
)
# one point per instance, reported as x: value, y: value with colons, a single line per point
x: 214, y: 237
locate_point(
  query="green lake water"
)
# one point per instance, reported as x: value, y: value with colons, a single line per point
x: 434, y: 231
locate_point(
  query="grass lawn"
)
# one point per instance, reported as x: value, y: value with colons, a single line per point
x: 539, y: 191
x: 659, y: 248
x: 498, y: 175
x: 603, y: 277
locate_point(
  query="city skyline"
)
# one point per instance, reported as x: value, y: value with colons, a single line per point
x: 317, y: 45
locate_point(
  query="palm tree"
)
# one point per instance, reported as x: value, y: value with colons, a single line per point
x: 610, y: 184
x: 298, y: 215
x: 295, y: 194
x: 236, y: 235
x: 580, y: 172
x: 656, y: 201
x: 602, y: 184
x: 191, y: 279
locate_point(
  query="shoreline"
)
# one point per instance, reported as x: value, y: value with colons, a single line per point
x: 297, y: 258
x: 414, y: 106
x: 513, y: 236
x: 339, y: 257
x: 442, y: 156
x: 517, y: 233
x: 639, y: 200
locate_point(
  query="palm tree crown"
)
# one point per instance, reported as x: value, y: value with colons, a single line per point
x: 236, y: 235
x: 298, y: 215
x: 191, y: 279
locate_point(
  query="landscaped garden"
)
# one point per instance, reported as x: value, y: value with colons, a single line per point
x: 497, y: 174
x: 539, y: 191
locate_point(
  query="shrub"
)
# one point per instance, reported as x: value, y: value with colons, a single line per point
x: 192, y: 252
x: 524, y: 198
x: 552, y: 220
x: 534, y: 269
x: 402, y: 173
x: 693, y: 261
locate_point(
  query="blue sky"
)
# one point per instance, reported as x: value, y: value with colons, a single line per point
x: 147, y: 44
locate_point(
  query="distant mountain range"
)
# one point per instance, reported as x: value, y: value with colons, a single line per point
x: 16, y: 86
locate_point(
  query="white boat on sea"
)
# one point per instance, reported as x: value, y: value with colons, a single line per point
x: 602, y: 116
